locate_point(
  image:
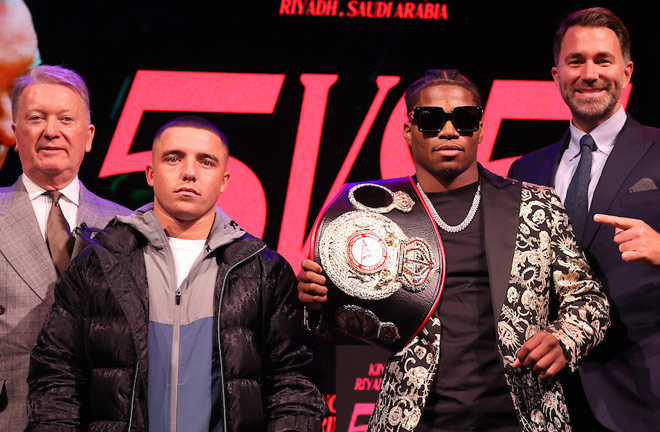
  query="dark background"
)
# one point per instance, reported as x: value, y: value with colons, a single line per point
x: 107, y: 42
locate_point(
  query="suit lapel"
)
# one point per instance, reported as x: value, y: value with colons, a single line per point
x: 501, y: 207
x: 628, y: 150
x: 547, y: 168
x: 23, y: 245
x: 91, y: 213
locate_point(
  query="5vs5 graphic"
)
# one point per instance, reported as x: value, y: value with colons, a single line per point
x: 219, y: 92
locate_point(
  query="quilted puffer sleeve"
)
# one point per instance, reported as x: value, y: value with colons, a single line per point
x: 293, y: 401
x: 57, y: 381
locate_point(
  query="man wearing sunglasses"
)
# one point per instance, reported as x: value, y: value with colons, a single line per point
x: 611, y: 191
x: 518, y: 303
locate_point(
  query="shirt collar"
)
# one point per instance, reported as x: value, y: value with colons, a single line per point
x: 71, y: 191
x: 604, y: 134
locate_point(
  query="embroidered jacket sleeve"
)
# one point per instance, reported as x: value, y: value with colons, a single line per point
x: 583, y: 309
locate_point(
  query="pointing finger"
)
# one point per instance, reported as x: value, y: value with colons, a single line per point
x: 618, y: 222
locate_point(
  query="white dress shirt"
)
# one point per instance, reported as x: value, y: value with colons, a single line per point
x: 41, y: 203
x: 605, y: 136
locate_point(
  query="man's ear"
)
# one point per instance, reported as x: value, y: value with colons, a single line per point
x: 627, y: 72
x: 225, y: 182
x: 149, y: 173
x: 407, y: 132
x: 555, y: 75
x: 90, y: 132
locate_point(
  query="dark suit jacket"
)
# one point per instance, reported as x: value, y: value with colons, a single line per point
x: 27, y: 279
x: 621, y: 378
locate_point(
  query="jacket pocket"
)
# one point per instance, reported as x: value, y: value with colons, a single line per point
x: 631, y: 198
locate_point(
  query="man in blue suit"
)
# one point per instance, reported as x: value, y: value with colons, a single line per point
x: 606, y: 170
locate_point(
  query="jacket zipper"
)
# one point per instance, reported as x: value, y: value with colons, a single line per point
x: 176, y: 350
x: 130, y: 418
x: 222, y: 372
x: 176, y: 340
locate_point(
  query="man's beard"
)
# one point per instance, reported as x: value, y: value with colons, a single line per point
x: 448, y: 174
x: 592, y: 108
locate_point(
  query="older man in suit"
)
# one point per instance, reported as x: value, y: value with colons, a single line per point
x: 51, y: 122
x: 605, y: 169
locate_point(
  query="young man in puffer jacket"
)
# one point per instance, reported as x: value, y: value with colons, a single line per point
x: 175, y: 318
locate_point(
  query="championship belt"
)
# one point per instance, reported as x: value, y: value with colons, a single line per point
x: 383, y: 260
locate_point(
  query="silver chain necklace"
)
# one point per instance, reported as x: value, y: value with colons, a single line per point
x: 444, y: 225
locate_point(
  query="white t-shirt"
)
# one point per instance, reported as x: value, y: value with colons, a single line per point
x: 185, y: 254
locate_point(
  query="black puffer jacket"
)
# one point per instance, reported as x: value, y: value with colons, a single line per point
x: 89, y: 368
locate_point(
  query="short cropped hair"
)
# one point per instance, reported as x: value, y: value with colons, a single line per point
x: 47, y: 74
x: 433, y: 77
x: 593, y: 17
x: 193, y: 121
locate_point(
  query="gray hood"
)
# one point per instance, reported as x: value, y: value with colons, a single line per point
x: 144, y: 220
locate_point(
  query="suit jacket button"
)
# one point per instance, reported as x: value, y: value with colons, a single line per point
x: 2, y: 309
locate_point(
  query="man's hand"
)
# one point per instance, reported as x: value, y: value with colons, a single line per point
x: 543, y: 354
x: 311, y: 285
x: 637, y: 241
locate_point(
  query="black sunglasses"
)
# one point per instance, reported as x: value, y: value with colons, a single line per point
x: 432, y: 119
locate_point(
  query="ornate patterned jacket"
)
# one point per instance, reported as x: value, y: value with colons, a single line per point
x: 532, y: 257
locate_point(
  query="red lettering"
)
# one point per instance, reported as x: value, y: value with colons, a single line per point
x: 298, y: 6
x: 381, y: 9
x: 330, y: 401
x: 370, y: 10
x: 293, y: 245
x: 321, y: 6
x: 376, y: 369
x: 258, y: 93
x: 419, y: 11
x: 360, y: 410
x: 384, y: 83
x: 303, y: 167
x: 185, y: 91
x: 398, y: 13
x: 443, y: 12
x: 198, y: 92
x: 361, y: 9
x: 285, y: 7
x: 332, y: 8
x: 352, y: 10
x: 395, y: 158
x: 409, y: 11
x: 329, y: 424
x: 429, y: 10
x: 244, y: 199
x: 310, y: 8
